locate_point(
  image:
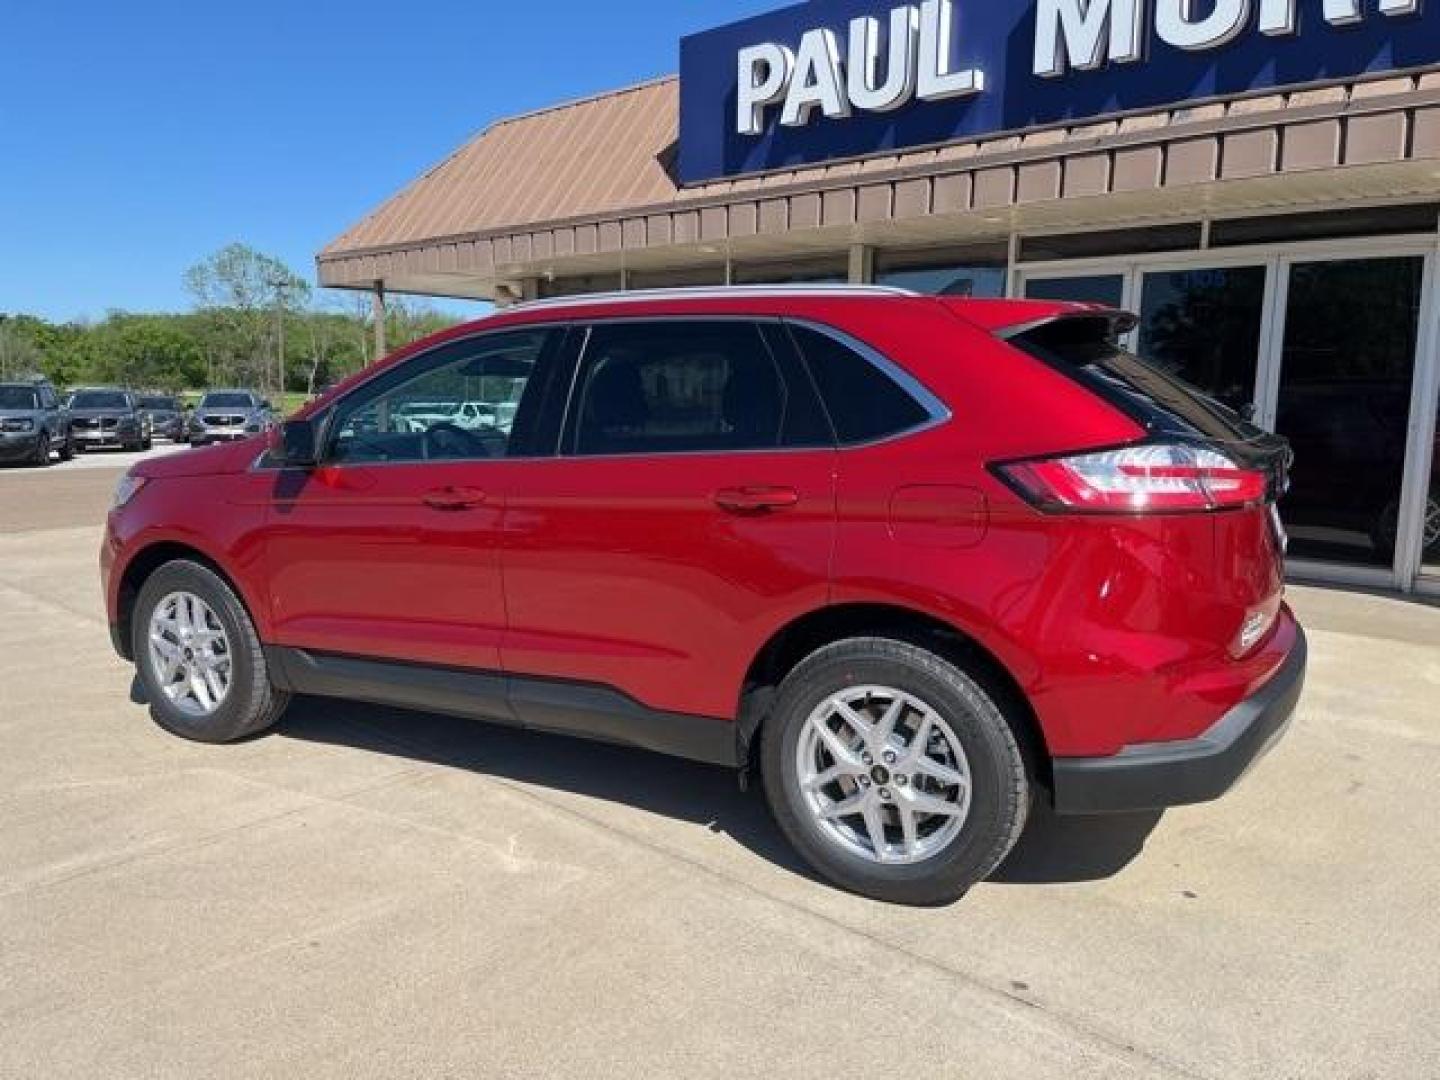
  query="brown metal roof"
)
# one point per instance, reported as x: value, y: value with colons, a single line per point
x: 589, y: 157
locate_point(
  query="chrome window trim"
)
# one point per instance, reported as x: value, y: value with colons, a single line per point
x: 937, y: 411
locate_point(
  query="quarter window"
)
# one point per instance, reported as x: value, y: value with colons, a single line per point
x: 688, y: 387
x: 864, y: 402
x: 457, y: 404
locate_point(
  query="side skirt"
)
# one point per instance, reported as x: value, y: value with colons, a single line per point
x: 584, y: 710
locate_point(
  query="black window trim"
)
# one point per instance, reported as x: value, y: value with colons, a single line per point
x: 936, y: 411
x: 569, y: 426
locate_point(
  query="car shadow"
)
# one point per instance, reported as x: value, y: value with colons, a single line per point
x: 1052, y: 851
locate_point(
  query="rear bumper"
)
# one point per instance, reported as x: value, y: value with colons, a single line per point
x: 1158, y: 775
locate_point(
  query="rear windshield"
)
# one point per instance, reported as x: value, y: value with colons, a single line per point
x: 1086, y: 349
x: 99, y: 399
x: 227, y: 401
x: 159, y: 403
x: 18, y: 397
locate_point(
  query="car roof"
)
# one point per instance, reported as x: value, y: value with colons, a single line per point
x: 815, y: 302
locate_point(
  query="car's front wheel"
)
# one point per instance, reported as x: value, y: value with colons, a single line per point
x: 41, y: 457
x: 199, y: 658
x: 894, y: 772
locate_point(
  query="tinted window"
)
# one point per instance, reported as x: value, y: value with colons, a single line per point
x: 161, y: 403
x: 17, y: 397
x: 865, y: 403
x: 458, y: 403
x: 227, y: 401
x: 1086, y: 350
x: 687, y: 387
x: 99, y: 399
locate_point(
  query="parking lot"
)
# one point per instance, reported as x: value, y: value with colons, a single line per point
x: 368, y: 892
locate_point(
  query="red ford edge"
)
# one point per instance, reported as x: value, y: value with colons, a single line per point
x: 918, y: 561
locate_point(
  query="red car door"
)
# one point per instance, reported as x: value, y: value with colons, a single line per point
x: 690, y: 515
x: 391, y: 547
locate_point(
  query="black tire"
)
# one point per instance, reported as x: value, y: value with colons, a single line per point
x: 147, y: 445
x: 67, y: 450
x: 253, y: 703
x: 1000, y: 793
x: 41, y: 459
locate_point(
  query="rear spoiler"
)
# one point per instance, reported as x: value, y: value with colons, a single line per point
x: 1119, y: 322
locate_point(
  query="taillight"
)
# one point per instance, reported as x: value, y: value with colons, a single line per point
x: 1147, y: 478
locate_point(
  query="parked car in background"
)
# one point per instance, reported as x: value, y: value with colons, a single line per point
x: 919, y: 560
x: 166, y: 416
x: 33, y: 422
x: 228, y: 415
x: 107, y: 417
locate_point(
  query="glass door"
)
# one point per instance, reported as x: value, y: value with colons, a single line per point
x: 1346, y: 380
x: 1205, y: 325
x: 1430, y: 537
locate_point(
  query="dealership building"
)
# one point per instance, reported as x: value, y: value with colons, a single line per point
x: 1258, y: 180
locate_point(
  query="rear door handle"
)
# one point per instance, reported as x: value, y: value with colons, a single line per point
x: 454, y: 498
x: 756, y: 500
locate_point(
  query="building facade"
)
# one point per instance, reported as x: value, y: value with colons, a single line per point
x: 1259, y: 183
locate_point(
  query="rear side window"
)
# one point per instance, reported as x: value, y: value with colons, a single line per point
x: 865, y: 402
x: 677, y: 387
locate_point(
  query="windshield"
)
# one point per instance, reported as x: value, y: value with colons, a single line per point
x: 18, y: 397
x: 227, y: 401
x: 159, y: 404
x: 99, y: 399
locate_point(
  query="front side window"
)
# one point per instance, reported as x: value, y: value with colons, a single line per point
x: 460, y: 403
x: 687, y: 387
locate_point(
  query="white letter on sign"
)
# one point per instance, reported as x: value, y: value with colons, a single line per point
x: 1176, y: 25
x: 1278, y: 18
x: 819, y: 81
x: 937, y: 35
x: 764, y: 74
x: 866, y: 90
x: 1078, y: 32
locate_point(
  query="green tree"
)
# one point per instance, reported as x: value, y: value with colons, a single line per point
x: 250, y: 298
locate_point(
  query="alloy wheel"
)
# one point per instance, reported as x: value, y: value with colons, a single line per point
x: 190, y: 654
x: 883, y: 775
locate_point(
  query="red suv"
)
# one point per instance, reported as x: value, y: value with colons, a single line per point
x: 919, y: 560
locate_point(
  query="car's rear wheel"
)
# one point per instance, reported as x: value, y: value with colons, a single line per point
x: 894, y: 772
x: 67, y: 449
x: 199, y: 658
x: 41, y: 458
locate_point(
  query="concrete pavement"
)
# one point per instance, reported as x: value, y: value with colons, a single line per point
x: 370, y: 893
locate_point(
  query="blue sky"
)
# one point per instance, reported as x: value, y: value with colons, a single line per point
x: 136, y: 137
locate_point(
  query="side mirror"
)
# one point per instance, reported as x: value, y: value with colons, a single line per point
x: 300, y: 443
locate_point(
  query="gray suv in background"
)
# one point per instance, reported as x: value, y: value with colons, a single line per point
x: 33, y: 422
x: 227, y: 415
x: 103, y: 417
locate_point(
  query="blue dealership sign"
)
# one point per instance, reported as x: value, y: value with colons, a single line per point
x: 842, y: 78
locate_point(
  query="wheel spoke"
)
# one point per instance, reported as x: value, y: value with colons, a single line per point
x: 825, y: 779
x: 875, y: 828
x: 908, y: 828
x: 846, y: 807
x: 189, y: 653
x: 839, y: 750
x: 920, y: 803
x: 928, y: 766
x: 885, y: 729
x: 858, y: 723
